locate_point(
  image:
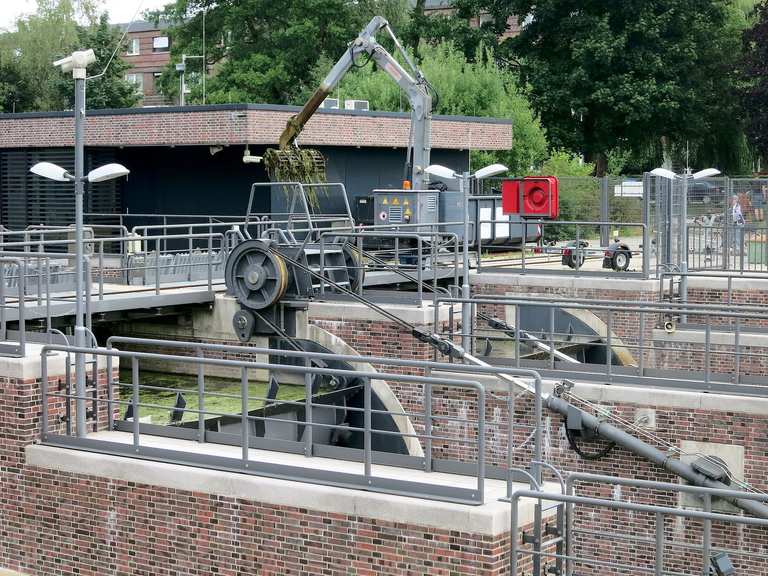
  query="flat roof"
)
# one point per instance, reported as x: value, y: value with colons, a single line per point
x: 246, y: 124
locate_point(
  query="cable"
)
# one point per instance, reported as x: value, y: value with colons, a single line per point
x: 588, y: 455
x: 354, y: 62
x: 119, y: 43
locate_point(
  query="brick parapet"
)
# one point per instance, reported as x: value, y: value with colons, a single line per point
x: 246, y: 125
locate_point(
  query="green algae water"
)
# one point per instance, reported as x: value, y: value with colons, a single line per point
x: 222, y: 395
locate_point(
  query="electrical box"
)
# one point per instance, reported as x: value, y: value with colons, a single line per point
x: 398, y: 207
x: 364, y: 213
x: 531, y: 197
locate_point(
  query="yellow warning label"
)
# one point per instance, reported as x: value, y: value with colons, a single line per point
x: 405, y: 202
x: 407, y: 211
x: 385, y: 202
x: 395, y: 201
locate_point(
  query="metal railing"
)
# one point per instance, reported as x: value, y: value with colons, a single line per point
x: 735, y: 249
x: 621, y: 342
x: 568, y: 257
x: 435, y: 429
x: 645, y: 529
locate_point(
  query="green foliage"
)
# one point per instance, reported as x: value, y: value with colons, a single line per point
x: 107, y: 91
x: 579, y: 193
x: 262, y: 50
x: 755, y: 89
x: 28, y: 81
x: 623, y: 74
x: 477, y: 88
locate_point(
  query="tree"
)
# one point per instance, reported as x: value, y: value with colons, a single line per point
x: 755, y: 72
x: 262, y: 50
x: 29, y: 81
x: 608, y: 75
x: 477, y: 88
x: 110, y: 90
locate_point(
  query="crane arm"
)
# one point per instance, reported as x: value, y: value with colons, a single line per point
x: 414, y: 85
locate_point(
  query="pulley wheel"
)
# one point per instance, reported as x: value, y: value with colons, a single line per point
x: 353, y: 260
x: 255, y: 275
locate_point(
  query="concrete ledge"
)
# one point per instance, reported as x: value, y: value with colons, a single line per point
x: 651, y: 397
x: 721, y: 283
x: 688, y: 336
x: 350, y: 311
x: 491, y: 518
x: 564, y: 281
x: 30, y: 367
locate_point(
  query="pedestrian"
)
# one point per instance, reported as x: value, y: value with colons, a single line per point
x: 737, y: 222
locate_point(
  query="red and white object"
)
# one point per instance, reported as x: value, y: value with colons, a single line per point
x: 536, y: 198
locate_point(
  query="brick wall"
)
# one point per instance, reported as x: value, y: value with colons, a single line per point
x: 243, y: 124
x: 55, y: 523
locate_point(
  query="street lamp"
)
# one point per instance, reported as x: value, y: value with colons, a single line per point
x: 77, y: 64
x: 464, y: 178
x: 683, y: 240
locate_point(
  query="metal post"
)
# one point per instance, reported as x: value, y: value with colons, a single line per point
x: 80, y: 340
x: 428, y: 427
x: 707, y: 351
x: 465, y: 306
x: 44, y: 397
x: 658, y: 564
x: 641, y: 346
x: 706, y: 547
x: 110, y: 394
x: 609, y: 345
x: 308, y: 428
x: 367, y: 429
x: 517, y: 336
x: 552, y: 337
x: 737, y: 346
x: 605, y: 233
x: 200, y: 399
x: 134, y: 401
x: 244, y: 414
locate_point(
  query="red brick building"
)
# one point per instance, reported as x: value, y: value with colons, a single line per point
x: 148, y: 53
x: 445, y: 8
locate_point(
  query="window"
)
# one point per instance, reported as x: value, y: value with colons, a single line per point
x: 137, y: 80
x: 133, y: 47
x: 160, y: 44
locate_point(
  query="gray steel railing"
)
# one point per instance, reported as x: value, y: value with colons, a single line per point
x: 103, y: 396
x: 649, y: 330
x: 649, y: 546
x: 547, y: 257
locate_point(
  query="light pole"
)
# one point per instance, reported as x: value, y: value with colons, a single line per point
x: 182, y: 68
x: 683, y: 234
x: 464, y: 181
x: 77, y: 64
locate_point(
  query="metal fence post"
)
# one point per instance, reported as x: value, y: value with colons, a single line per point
x: 706, y: 538
x: 367, y: 430
x: 428, y: 427
x: 244, y: 422
x: 308, y: 427
x: 200, y: 399
x: 135, y: 402
x: 658, y: 564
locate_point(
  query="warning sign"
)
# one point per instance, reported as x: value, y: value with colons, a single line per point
x: 407, y: 211
x: 406, y: 202
x: 385, y: 202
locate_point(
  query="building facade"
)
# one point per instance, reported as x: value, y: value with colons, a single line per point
x: 148, y: 52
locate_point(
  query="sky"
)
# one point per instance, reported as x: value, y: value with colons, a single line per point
x: 119, y: 10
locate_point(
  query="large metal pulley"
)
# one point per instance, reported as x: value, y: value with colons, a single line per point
x: 255, y: 275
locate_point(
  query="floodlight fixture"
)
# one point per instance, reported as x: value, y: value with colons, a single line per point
x: 440, y: 171
x: 77, y: 62
x: 706, y: 173
x: 664, y: 173
x: 490, y: 170
x: 107, y: 172
x: 52, y: 172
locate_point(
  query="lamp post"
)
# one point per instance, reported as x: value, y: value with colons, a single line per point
x: 464, y: 185
x: 77, y: 64
x: 683, y: 237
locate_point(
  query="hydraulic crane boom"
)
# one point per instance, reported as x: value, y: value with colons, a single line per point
x: 365, y: 47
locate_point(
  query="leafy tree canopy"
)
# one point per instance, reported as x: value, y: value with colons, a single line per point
x: 262, y: 50
x: 28, y: 81
x: 755, y: 67
x: 623, y: 74
x: 477, y: 88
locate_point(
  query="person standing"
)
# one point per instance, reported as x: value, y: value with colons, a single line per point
x: 737, y: 224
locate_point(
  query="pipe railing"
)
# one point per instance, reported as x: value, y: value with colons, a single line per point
x: 103, y: 395
x: 634, y: 342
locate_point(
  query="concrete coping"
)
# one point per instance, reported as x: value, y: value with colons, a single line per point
x: 716, y: 337
x: 489, y: 519
x: 651, y: 397
x: 720, y: 282
x: 564, y: 281
x: 350, y: 311
x: 29, y: 367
